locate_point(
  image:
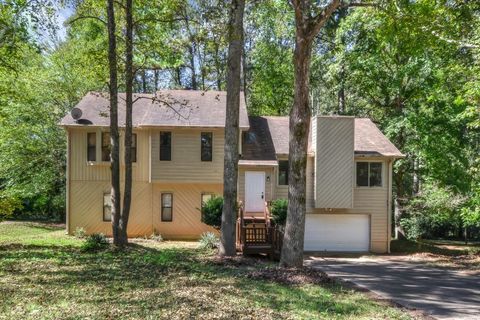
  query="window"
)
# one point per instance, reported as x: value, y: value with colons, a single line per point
x: 206, y: 142
x: 91, y: 146
x: 106, y: 146
x: 134, y: 147
x: 283, y: 172
x: 206, y: 197
x: 107, y: 207
x: 165, y: 146
x: 167, y: 204
x: 369, y: 174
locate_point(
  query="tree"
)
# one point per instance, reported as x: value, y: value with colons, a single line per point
x: 114, y: 134
x: 230, y: 175
x: 308, y: 23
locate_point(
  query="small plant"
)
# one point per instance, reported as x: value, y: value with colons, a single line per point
x: 212, y: 212
x: 80, y: 233
x: 209, y: 240
x: 279, y: 211
x: 94, y: 242
x: 157, y: 237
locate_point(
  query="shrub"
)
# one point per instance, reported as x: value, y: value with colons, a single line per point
x: 80, y: 233
x: 94, y: 242
x: 157, y: 237
x: 209, y: 240
x: 212, y: 212
x: 279, y: 211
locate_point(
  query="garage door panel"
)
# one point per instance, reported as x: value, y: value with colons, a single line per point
x: 337, y: 232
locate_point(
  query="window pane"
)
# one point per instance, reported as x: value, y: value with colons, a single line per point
x: 167, y: 204
x: 91, y: 146
x: 362, y: 174
x: 283, y: 172
x: 134, y: 147
x: 206, y: 197
x: 105, y: 146
x: 206, y: 149
x: 107, y: 207
x: 375, y: 174
x: 165, y: 146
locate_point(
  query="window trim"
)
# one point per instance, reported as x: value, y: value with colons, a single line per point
x: 94, y: 146
x: 101, y: 147
x: 382, y: 174
x: 162, y: 207
x: 160, y: 145
x: 278, y: 174
x: 201, y: 146
x: 103, y: 207
x: 211, y: 194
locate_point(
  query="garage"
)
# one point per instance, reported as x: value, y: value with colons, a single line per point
x: 337, y: 232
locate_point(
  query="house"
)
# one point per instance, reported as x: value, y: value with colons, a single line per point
x: 178, y: 154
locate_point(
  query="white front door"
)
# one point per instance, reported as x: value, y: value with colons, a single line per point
x: 254, y: 191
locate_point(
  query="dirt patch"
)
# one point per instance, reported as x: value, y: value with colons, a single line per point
x: 239, y: 261
x: 291, y: 276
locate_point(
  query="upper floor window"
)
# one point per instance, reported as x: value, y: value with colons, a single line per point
x: 106, y: 146
x: 165, y: 146
x: 134, y: 147
x: 283, y: 172
x: 206, y: 146
x: 369, y: 174
x: 91, y: 146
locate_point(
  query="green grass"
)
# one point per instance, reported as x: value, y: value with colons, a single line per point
x: 45, y: 275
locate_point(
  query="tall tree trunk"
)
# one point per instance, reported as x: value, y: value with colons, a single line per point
x: 127, y: 196
x: 193, y: 77
x: 230, y: 175
x: 156, y: 74
x: 307, y: 26
x: 144, y: 73
x: 114, y: 136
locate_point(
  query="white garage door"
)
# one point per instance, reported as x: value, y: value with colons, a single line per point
x: 337, y: 232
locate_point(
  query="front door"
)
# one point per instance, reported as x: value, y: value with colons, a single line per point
x: 254, y: 191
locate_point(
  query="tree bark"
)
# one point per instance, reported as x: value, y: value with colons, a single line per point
x: 230, y: 175
x: 307, y: 26
x: 114, y: 136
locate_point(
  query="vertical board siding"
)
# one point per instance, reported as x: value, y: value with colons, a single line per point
x: 334, y: 160
x: 186, y: 165
x: 186, y: 222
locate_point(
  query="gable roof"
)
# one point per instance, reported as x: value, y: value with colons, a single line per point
x: 369, y: 140
x: 166, y: 108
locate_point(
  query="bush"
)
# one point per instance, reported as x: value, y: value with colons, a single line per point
x: 80, y: 233
x: 157, y: 237
x: 279, y: 211
x: 209, y: 240
x: 94, y: 242
x: 212, y: 212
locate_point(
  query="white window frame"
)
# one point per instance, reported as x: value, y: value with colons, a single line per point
x: 370, y: 161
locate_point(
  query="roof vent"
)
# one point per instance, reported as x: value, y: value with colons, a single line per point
x: 76, y: 114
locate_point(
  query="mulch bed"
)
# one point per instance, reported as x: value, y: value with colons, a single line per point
x: 291, y: 276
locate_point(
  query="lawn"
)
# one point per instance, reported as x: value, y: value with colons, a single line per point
x: 44, y: 274
x: 440, y: 253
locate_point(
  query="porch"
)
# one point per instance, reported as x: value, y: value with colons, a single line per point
x: 258, y: 234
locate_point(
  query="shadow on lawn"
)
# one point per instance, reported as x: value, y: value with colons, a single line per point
x: 144, y: 279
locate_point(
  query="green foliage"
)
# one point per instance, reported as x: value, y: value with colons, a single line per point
x: 94, y: 242
x: 80, y: 233
x: 8, y: 205
x: 212, y: 212
x: 208, y: 240
x: 278, y: 210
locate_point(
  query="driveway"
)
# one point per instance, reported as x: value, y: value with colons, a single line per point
x: 437, y: 292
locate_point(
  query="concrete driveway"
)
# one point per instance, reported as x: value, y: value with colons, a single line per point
x: 437, y: 292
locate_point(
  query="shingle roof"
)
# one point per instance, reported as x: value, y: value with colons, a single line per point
x: 369, y: 140
x: 167, y: 108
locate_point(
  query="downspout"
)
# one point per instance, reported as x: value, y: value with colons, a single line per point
x: 389, y: 204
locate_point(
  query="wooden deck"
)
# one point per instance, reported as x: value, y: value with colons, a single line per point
x: 258, y: 235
